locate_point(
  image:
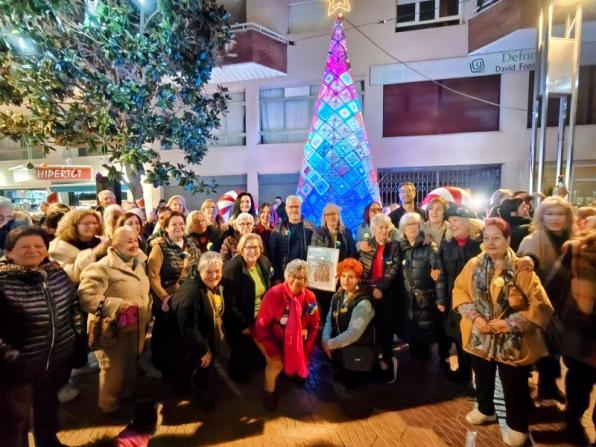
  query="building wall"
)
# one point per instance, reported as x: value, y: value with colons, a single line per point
x: 306, y: 61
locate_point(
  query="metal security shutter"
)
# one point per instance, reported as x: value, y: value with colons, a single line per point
x: 477, y: 178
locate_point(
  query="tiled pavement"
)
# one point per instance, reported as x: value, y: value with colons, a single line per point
x: 416, y: 411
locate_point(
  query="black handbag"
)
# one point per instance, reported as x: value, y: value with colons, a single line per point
x: 358, y: 358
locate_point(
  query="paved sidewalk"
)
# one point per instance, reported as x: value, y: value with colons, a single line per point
x: 415, y: 411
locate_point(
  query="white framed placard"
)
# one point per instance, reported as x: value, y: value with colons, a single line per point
x: 323, y: 267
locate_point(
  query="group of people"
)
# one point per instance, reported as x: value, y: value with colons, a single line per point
x: 509, y: 292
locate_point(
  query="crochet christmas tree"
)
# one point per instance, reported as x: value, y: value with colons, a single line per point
x: 337, y: 164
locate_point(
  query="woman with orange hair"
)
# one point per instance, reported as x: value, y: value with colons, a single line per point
x: 348, y: 335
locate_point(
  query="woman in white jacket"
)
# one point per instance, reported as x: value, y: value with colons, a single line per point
x: 78, y: 242
x: 119, y: 284
x: 76, y: 245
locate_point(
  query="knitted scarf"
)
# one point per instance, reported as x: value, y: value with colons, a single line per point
x: 294, y: 358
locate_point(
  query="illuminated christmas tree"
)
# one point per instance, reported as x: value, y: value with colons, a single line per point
x: 337, y: 164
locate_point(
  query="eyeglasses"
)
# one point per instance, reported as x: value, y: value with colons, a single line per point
x: 252, y: 247
x: 330, y: 214
x: 244, y: 224
x: 375, y: 210
x: 88, y: 224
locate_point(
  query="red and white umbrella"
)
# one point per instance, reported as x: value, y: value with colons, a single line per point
x: 452, y: 194
x: 226, y: 204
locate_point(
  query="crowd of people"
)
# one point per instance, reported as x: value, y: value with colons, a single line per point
x: 512, y: 292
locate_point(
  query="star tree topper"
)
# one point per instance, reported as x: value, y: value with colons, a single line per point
x: 338, y: 5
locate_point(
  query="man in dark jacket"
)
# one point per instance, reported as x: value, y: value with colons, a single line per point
x: 290, y: 239
x: 407, y: 198
x: 39, y: 316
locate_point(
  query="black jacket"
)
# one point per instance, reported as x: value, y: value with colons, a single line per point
x: 417, y: 262
x: 454, y: 259
x: 195, y: 316
x: 520, y: 228
x: 279, y: 246
x: 347, y: 247
x: 240, y: 294
x: 39, y: 316
x: 391, y: 260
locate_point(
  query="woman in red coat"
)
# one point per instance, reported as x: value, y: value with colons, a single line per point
x: 286, y: 328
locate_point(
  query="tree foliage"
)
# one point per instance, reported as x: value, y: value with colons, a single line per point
x: 117, y: 77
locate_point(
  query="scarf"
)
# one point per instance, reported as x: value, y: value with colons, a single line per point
x: 294, y: 358
x: 217, y: 306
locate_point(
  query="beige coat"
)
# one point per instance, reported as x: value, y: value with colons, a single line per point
x: 539, y: 244
x: 70, y: 258
x: 113, y: 278
x: 536, y: 308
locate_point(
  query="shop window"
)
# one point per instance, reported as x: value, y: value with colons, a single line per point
x: 286, y: 113
x: 415, y: 14
x: 426, y: 108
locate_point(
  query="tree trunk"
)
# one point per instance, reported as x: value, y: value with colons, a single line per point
x: 134, y: 183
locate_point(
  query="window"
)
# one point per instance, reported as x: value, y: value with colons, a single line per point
x: 233, y: 124
x: 286, y: 113
x: 426, y: 108
x: 12, y: 150
x: 586, y: 100
x: 483, y: 4
x: 414, y: 14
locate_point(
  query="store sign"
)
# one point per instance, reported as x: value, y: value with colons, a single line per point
x: 455, y: 67
x: 63, y: 173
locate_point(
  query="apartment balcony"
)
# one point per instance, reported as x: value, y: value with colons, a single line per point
x: 258, y: 53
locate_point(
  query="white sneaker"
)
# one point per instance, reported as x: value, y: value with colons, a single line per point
x: 67, y: 393
x: 476, y: 417
x: 513, y: 438
x: 393, y: 377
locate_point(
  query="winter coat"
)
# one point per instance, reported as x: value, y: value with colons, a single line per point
x: 229, y: 247
x: 572, y: 290
x: 540, y: 246
x: 391, y: 259
x: 270, y: 333
x: 195, y: 317
x: 279, y: 246
x: 115, y: 280
x: 454, y: 258
x: 39, y: 316
x: 418, y: 260
x: 516, y: 349
x: 419, y: 294
x: 70, y: 258
x: 345, y: 242
x: 240, y: 294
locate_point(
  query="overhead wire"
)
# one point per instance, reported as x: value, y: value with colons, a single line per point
x: 410, y: 67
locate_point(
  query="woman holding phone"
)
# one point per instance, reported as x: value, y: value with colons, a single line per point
x: 119, y: 284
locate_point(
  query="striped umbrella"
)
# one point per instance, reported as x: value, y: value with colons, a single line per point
x: 226, y: 204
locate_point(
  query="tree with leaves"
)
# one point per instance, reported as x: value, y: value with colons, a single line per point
x: 120, y: 78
